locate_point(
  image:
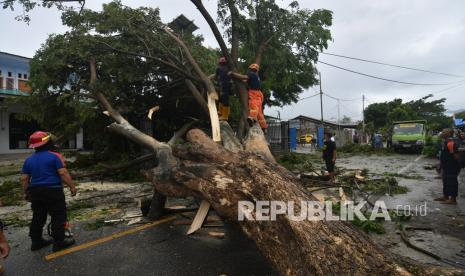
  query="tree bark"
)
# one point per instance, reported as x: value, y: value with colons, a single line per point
x: 223, y: 178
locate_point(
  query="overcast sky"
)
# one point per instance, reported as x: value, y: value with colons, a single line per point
x: 423, y: 34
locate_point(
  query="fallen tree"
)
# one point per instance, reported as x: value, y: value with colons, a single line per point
x: 226, y: 174
x: 222, y: 174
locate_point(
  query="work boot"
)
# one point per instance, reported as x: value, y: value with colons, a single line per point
x: 39, y: 244
x: 67, y: 242
x: 251, y: 121
x: 224, y: 113
x: 220, y: 109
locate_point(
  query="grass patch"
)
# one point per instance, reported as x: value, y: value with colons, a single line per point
x: 90, y: 163
x: 81, y: 211
x: 8, y: 170
x: 369, y: 226
x: 16, y: 221
x: 75, y: 209
x: 406, y: 176
x: 363, y: 149
x: 91, y: 226
x: 11, y: 193
x: 387, y: 185
x: 300, y: 162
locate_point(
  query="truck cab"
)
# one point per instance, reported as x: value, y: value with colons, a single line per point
x: 409, y: 135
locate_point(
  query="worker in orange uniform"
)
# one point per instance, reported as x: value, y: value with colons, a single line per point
x: 255, y: 95
x: 224, y: 81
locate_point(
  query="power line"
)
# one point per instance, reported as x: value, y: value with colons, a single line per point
x: 343, y: 100
x: 384, y: 79
x: 437, y: 93
x: 309, y: 97
x: 393, y: 65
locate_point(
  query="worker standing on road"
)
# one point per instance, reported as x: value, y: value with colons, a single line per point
x: 4, y: 248
x: 329, y: 155
x: 42, y: 176
x: 255, y: 95
x: 450, y: 167
x: 224, y: 80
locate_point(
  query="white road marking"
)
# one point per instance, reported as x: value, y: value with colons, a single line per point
x: 409, y: 166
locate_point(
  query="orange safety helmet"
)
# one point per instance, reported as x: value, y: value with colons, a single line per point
x: 254, y: 66
x: 222, y: 60
x: 38, y: 139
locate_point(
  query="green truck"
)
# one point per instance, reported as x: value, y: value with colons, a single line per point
x: 409, y: 135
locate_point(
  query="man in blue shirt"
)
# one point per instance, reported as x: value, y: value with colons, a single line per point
x: 42, y: 177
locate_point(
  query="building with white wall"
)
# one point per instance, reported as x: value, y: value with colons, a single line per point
x: 14, y: 133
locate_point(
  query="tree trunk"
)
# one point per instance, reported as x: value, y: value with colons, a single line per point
x: 223, y: 178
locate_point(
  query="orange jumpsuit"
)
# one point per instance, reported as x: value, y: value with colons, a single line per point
x: 255, y: 99
x: 256, y: 107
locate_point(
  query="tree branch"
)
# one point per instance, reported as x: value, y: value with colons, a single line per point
x: 261, y: 49
x: 111, y: 169
x: 197, y: 95
x: 215, y: 30
x: 181, y: 132
x: 121, y: 125
x: 234, y: 32
x: 168, y: 64
x: 206, y: 81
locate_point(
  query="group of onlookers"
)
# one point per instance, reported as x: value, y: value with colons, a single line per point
x: 452, y: 161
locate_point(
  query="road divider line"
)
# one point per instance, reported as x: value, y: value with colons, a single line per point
x: 409, y: 166
x: 106, y: 239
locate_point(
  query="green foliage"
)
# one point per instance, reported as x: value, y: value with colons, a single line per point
x: 75, y: 209
x: 368, y: 226
x: 292, y: 37
x: 128, y: 45
x: 16, y: 221
x: 363, y: 149
x: 97, y: 224
x: 382, y: 115
x: 388, y: 185
x: 299, y: 161
x: 11, y: 193
x: 432, y: 147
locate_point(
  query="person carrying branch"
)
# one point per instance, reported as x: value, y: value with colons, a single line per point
x: 255, y: 95
x: 41, y: 177
x: 224, y: 80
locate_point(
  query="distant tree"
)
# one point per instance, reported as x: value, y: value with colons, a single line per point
x: 460, y: 115
x: 346, y: 120
x: 382, y: 115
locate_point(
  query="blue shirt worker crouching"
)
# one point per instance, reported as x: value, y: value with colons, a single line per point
x: 42, y: 176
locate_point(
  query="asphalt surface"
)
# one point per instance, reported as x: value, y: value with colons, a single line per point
x: 160, y: 250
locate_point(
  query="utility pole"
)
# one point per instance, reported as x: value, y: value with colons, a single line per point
x: 321, y: 101
x: 363, y: 118
x: 338, y: 116
x: 320, y: 139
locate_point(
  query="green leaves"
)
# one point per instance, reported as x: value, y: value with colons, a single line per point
x: 291, y: 38
x: 382, y: 115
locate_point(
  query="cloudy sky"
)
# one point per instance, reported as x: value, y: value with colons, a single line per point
x: 423, y: 34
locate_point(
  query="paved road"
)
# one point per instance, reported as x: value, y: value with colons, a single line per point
x: 159, y: 250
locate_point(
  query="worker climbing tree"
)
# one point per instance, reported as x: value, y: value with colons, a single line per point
x: 224, y: 81
x: 255, y: 95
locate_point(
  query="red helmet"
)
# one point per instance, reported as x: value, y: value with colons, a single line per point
x: 222, y: 60
x: 38, y: 139
x: 254, y: 66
